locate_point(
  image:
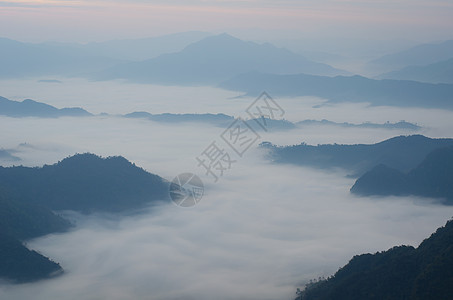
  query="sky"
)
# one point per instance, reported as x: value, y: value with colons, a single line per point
x: 84, y: 21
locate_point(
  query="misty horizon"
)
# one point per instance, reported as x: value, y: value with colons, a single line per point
x: 226, y: 149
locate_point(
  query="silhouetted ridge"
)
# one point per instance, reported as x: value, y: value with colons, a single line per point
x: 432, y: 178
x: 85, y: 182
x: 399, y: 273
x: 402, y: 153
x: 215, y: 59
x: 31, y: 108
x: 19, y: 264
x: 401, y: 93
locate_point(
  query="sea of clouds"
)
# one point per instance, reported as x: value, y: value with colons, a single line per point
x: 260, y: 232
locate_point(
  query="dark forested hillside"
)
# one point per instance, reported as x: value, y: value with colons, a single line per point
x: 85, y: 182
x: 432, y: 178
x: 19, y: 221
x: 18, y: 264
x: 402, y: 153
x: 400, y: 273
x: 26, y: 220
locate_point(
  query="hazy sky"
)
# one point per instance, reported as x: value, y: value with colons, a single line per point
x: 83, y: 20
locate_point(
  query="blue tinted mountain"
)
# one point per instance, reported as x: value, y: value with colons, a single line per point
x: 424, y: 54
x: 346, y: 89
x: 220, y: 120
x: 18, y: 264
x: 7, y: 156
x: 215, y: 119
x: 31, y: 108
x: 388, y: 125
x: 25, y: 59
x: 432, y: 178
x: 142, y: 49
x: 440, y: 72
x: 85, y: 182
x: 402, y: 272
x: 20, y: 221
x: 402, y: 153
x: 215, y: 59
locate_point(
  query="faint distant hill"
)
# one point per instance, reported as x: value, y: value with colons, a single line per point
x: 7, y: 156
x: 145, y: 48
x: 401, y: 272
x: 85, y: 182
x: 388, y: 125
x: 26, y: 59
x: 30, y: 108
x: 440, y: 72
x: 432, y: 178
x: 220, y: 120
x: 420, y: 55
x: 346, y: 89
x: 402, y: 152
x: 214, y: 119
x: 215, y: 59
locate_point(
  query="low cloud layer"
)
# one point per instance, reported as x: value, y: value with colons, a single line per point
x: 259, y: 233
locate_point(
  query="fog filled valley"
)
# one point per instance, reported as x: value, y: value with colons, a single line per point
x: 253, y: 235
x: 226, y: 150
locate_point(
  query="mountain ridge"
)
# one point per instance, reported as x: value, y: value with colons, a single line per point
x: 433, y: 177
x: 31, y: 108
x: 402, y: 152
x: 402, y: 272
x: 215, y: 59
x: 400, y: 93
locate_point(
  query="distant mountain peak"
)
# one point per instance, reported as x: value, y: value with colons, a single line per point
x: 32, y: 108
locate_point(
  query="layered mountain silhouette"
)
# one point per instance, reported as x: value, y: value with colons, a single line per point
x: 222, y: 120
x: 388, y: 125
x: 402, y: 153
x: 403, y: 272
x: 20, y: 60
x: 346, y: 89
x: 440, y: 72
x: 142, y: 49
x: 432, y: 178
x: 31, y: 108
x: 84, y: 183
x: 420, y: 55
x: 215, y: 59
